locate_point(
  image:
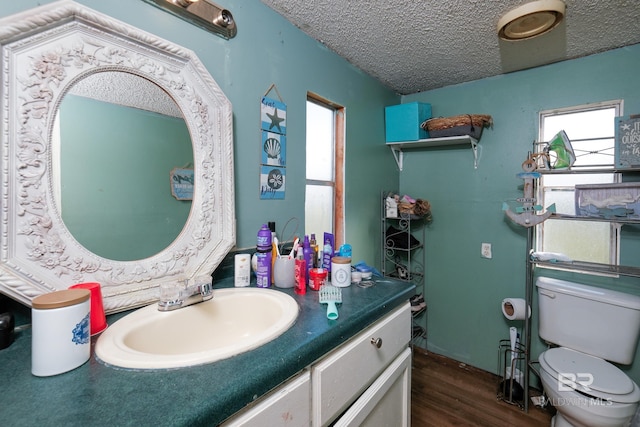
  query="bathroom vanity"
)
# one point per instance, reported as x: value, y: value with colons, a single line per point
x: 332, y: 362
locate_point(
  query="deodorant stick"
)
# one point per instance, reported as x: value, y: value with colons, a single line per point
x: 242, y: 270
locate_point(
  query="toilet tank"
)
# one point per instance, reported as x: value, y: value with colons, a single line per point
x: 596, y: 321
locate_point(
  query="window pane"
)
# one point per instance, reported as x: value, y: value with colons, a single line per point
x: 591, y: 132
x: 579, y: 240
x: 581, y: 125
x: 320, y: 133
x: 318, y: 210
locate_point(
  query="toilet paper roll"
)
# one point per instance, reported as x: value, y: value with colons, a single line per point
x: 514, y: 308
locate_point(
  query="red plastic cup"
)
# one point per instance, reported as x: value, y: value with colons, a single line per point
x: 97, y: 318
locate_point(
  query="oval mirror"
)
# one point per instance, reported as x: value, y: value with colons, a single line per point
x: 47, y: 53
x: 116, y: 139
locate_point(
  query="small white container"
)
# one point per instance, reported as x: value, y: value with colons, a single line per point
x: 340, y: 271
x: 60, y: 331
x: 242, y: 270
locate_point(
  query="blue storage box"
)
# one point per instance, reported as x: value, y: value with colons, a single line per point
x: 402, y: 122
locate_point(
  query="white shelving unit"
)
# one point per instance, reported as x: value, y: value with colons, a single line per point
x: 398, y: 148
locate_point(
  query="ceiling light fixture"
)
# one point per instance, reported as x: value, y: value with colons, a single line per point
x: 531, y: 20
x: 203, y: 13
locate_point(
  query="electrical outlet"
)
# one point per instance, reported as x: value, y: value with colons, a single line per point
x: 485, y: 250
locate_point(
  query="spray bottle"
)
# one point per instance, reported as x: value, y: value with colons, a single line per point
x: 300, y: 273
x: 308, y: 256
x: 263, y: 256
x: 314, y: 246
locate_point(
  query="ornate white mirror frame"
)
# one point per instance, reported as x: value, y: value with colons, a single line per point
x: 44, y: 51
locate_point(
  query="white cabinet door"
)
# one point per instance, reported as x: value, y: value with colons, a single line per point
x: 387, y: 402
x: 288, y: 406
x: 338, y: 379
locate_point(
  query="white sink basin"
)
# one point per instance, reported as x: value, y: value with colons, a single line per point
x: 234, y: 321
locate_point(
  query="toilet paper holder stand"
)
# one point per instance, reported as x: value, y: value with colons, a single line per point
x: 511, y: 363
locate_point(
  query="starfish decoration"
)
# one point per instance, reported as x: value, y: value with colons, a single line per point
x: 275, y: 120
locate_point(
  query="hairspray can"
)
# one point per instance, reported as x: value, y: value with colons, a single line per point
x: 263, y: 256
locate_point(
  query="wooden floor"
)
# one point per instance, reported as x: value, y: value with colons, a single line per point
x: 445, y: 392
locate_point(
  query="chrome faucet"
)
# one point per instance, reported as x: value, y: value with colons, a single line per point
x: 173, y: 297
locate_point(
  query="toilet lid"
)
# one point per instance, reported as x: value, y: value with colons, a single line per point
x: 590, y: 375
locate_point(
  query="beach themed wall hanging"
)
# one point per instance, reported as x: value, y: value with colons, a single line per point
x: 273, y: 144
x: 627, y: 145
x: 182, y: 183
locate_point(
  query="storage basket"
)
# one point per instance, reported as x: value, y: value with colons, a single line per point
x: 421, y: 208
x: 464, y: 124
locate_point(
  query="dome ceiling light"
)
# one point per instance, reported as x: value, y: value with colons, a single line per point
x: 531, y: 20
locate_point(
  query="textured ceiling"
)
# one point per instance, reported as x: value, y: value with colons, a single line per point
x: 126, y: 89
x: 412, y: 46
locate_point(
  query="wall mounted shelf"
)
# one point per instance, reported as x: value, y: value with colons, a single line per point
x: 398, y: 148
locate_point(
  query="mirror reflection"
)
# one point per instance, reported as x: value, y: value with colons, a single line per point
x: 117, y: 138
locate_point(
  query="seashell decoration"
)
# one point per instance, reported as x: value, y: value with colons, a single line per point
x: 275, y: 179
x: 272, y: 148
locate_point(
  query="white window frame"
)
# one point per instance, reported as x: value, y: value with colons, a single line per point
x: 614, y: 235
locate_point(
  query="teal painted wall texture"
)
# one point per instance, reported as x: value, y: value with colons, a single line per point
x: 115, y: 170
x: 267, y: 50
x: 463, y: 290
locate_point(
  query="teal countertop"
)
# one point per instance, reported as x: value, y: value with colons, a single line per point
x: 98, y: 395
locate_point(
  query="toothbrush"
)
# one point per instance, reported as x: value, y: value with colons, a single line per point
x: 275, y: 245
x: 296, y: 242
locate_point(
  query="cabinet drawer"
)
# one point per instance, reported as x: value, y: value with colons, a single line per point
x: 343, y: 375
x: 288, y: 405
x: 387, y: 402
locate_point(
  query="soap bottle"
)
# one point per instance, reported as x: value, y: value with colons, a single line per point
x: 308, y: 256
x: 300, y: 273
x: 314, y: 246
x: 263, y: 257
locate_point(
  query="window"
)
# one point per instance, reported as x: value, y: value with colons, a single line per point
x: 590, y: 128
x: 324, y: 207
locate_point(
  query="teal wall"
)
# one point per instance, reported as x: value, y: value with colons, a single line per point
x: 267, y: 50
x: 463, y: 290
x: 115, y: 165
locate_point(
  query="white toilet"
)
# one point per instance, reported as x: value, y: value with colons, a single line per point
x: 590, y: 325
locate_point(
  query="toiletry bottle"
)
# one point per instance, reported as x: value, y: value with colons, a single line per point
x: 272, y: 228
x: 308, y: 256
x: 263, y: 255
x: 242, y: 271
x: 327, y: 254
x: 314, y: 246
x: 300, y: 274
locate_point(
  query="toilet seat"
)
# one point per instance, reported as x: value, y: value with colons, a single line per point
x: 608, y: 381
